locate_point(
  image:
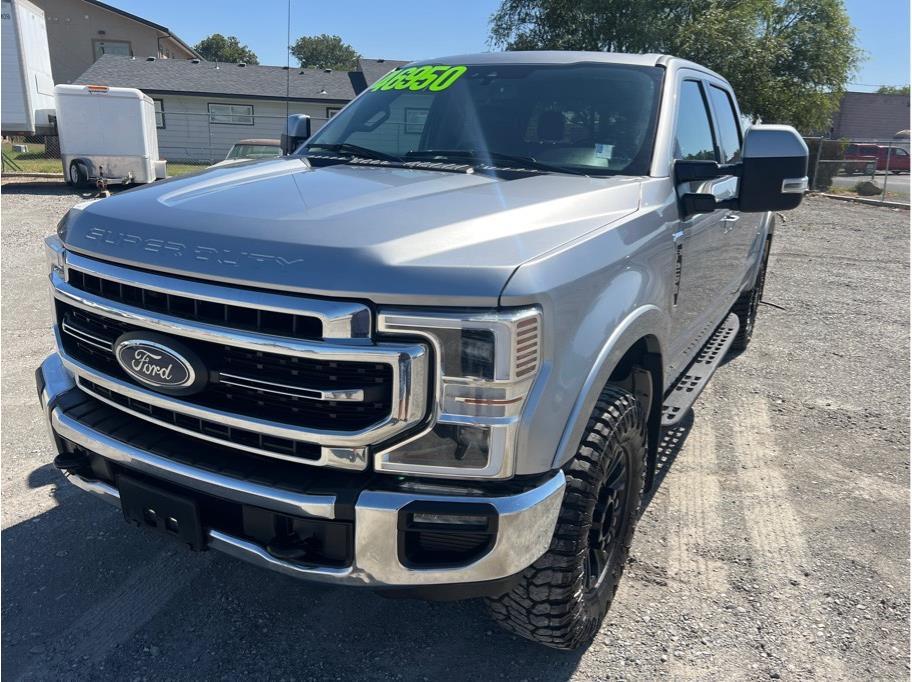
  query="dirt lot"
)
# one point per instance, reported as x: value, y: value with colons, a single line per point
x: 776, y: 546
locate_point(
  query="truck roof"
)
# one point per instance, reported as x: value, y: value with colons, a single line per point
x: 569, y: 57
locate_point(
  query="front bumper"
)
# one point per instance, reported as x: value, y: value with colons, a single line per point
x: 525, y: 521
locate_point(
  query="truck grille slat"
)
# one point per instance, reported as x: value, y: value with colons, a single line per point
x: 248, y: 440
x: 236, y: 317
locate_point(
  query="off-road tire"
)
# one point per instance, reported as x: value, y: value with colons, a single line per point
x: 747, y: 305
x: 556, y: 603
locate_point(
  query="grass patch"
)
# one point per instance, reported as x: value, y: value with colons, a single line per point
x: 846, y: 192
x: 184, y: 168
x: 35, y: 160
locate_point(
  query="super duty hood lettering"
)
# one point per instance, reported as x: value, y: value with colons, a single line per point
x: 180, y: 250
x: 390, y: 235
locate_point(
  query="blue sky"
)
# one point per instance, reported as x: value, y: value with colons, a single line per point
x: 414, y: 29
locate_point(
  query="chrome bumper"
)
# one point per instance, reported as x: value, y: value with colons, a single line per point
x: 526, y: 520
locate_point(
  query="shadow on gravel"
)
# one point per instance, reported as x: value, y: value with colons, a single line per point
x: 85, y: 596
x: 42, y: 189
x: 670, y: 446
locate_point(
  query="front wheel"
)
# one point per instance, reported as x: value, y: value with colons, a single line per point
x: 563, y: 597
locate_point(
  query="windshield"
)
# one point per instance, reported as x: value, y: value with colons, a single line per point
x: 253, y: 151
x: 592, y: 118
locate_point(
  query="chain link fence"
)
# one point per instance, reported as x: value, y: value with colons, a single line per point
x: 875, y: 170
x: 189, y: 141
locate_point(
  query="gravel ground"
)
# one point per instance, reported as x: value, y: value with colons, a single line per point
x: 776, y: 546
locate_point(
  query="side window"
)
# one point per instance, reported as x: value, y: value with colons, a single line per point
x: 159, y: 113
x: 728, y: 131
x: 120, y: 47
x: 234, y: 114
x: 693, y: 131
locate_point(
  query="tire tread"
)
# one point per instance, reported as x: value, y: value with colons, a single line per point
x: 549, y: 605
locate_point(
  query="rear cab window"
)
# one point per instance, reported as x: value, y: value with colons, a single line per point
x: 693, y: 139
x: 727, y: 127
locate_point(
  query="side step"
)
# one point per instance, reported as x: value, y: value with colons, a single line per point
x: 691, y: 384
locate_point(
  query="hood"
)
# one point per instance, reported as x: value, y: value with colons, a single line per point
x: 390, y: 235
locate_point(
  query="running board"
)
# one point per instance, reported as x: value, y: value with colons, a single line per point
x: 691, y: 384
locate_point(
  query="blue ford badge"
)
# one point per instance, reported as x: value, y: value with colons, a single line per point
x: 156, y: 361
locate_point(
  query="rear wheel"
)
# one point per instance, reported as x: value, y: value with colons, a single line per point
x: 562, y: 598
x: 747, y: 305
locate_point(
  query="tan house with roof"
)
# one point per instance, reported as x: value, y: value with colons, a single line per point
x: 81, y: 31
x: 202, y: 108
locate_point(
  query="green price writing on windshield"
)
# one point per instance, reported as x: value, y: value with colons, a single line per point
x: 414, y: 78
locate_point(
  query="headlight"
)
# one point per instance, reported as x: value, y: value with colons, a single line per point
x: 487, y: 364
x: 54, y: 253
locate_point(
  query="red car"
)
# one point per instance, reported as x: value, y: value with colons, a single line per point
x: 899, y: 157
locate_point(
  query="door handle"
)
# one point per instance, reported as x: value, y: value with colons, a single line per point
x: 729, y: 221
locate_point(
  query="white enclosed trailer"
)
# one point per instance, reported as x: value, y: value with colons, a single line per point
x: 27, y: 97
x: 107, y: 134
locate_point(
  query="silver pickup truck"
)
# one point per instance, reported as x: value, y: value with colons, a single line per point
x: 432, y: 351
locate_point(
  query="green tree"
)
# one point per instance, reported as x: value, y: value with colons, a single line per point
x: 893, y: 90
x: 325, y: 52
x: 219, y: 48
x: 788, y: 60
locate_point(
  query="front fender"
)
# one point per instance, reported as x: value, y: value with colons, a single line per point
x: 645, y: 321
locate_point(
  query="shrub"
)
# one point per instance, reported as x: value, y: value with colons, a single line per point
x: 820, y: 176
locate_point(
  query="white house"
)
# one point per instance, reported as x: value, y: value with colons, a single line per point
x: 202, y: 108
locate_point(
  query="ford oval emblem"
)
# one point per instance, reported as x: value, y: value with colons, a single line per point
x: 160, y: 363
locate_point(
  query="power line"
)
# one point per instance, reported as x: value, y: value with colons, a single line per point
x: 879, y: 85
x: 288, y: 63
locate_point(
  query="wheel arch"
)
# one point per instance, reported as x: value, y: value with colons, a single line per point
x: 638, y: 341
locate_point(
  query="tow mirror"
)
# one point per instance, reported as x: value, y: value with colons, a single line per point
x: 772, y: 174
x: 297, y: 130
x: 773, y: 169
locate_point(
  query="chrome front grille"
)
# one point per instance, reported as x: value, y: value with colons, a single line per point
x: 273, y: 390
x: 343, y: 396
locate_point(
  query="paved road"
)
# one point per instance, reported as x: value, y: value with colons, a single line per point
x: 897, y: 184
x: 776, y: 545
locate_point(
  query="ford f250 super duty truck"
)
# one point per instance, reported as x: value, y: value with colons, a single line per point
x: 433, y: 350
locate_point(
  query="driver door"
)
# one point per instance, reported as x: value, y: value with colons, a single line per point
x: 699, y: 240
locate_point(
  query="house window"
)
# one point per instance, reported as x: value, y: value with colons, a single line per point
x: 332, y: 111
x: 121, y: 47
x: 231, y: 114
x: 415, y: 120
x: 159, y: 113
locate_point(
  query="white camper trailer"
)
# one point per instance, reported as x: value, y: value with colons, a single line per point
x: 107, y: 134
x: 27, y: 98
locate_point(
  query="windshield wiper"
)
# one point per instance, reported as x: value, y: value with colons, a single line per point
x: 527, y: 161
x: 354, y: 150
